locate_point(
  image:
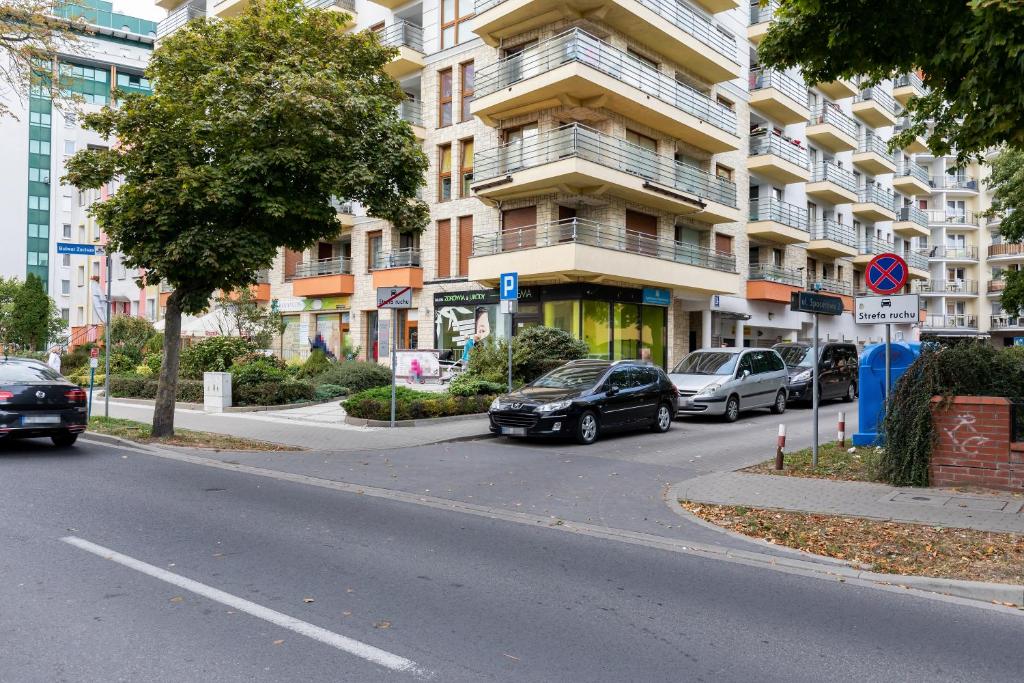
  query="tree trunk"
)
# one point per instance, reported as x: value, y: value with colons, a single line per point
x: 167, y: 389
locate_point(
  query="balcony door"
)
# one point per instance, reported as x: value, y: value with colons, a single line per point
x: 519, y: 144
x: 641, y: 233
x: 519, y: 228
x: 640, y: 156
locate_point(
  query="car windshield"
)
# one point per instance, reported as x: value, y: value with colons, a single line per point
x: 571, y: 377
x: 21, y: 373
x: 797, y: 356
x: 707, y: 363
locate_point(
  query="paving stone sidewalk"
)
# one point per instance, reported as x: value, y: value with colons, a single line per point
x: 940, y: 507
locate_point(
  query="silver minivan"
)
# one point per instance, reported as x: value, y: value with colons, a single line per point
x: 727, y: 380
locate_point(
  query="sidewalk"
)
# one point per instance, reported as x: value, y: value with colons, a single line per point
x: 938, y: 507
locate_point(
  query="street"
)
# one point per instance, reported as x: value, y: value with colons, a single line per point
x: 224, y: 575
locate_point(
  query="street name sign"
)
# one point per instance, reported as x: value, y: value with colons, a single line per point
x: 886, y: 273
x: 394, y: 297
x: 877, y: 310
x: 81, y: 249
x: 812, y: 302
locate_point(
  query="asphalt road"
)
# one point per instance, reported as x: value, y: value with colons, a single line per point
x: 463, y: 597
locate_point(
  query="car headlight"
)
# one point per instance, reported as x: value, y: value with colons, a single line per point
x: 802, y: 377
x: 709, y: 390
x: 495, y: 404
x: 552, y: 407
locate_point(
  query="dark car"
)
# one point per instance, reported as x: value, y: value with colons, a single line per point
x: 837, y: 372
x: 586, y: 397
x: 37, y: 401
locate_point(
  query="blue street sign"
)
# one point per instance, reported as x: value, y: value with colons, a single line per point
x: 80, y: 249
x: 509, y: 288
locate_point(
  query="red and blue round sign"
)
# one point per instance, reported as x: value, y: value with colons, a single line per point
x: 886, y: 274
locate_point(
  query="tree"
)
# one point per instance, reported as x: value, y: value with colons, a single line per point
x: 971, y: 54
x: 8, y: 289
x: 254, y: 124
x: 34, y: 319
x: 1007, y: 183
x: 247, y: 318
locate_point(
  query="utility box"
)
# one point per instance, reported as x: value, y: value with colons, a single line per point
x: 871, y: 386
x: 216, y: 391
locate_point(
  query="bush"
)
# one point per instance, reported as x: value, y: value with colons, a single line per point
x: 257, y: 372
x: 128, y: 336
x: 272, y: 393
x: 357, y: 375
x: 189, y: 391
x: 122, y: 363
x: 258, y: 357
x: 71, y: 362
x: 469, y: 384
x: 375, y: 404
x: 155, y: 344
x: 153, y: 361
x: 82, y: 379
x: 144, y: 371
x: 328, y: 391
x: 316, y: 364
x: 213, y: 354
x: 535, y: 351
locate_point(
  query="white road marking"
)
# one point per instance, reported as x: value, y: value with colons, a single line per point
x: 343, y: 643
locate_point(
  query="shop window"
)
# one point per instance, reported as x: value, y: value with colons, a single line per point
x: 596, y: 330
x: 626, y: 331
x: 291, y: 345
x: 444, y: 99
x: 466, y: 94
x: 372, y: 350
x: 654, y: 332
x: 564, y: 315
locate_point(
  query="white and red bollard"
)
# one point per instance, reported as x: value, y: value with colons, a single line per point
x: 780, y: 446
x: 842, y: 430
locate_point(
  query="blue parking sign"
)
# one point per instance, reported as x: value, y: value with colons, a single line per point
x: 508, y: 288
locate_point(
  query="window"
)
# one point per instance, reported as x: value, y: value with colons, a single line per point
x: 454, y: 15
x: 374, y: 248
x: 65, y: 315
x: 723, y: 172
x: 467, y: 89
x: 444, y: 248
x: 151, y: 309
x: 81, y: 276
x: 65, y: 260
x: 444, y: 173
x: 762, y: 362
x: 619, y: 379
x: 444, y: 101
x: 723, y: 243
x: 69, y: 146
x: 80, y: 314
x: 66, y: 231
x: 745, y: 365
x: 467, y: 167
x: 65, y: 287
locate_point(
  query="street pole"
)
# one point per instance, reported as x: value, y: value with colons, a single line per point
x: 814, y: 398
x: 511, y: 334
x: 888, y: 362
x: 106, y: 343
x: 394, y: 361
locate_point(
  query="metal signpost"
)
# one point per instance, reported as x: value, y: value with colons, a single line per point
x: 394, y: 298
x: 886, y: 274
x: 94, y: 362
x: 816, y: 304
x: 78, y: 249
x: 509, y: 302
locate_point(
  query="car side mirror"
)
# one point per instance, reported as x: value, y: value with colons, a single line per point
x: 745, y: 374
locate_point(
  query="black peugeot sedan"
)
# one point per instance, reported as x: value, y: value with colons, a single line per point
x: 36, y: 401
x: 583, y: 398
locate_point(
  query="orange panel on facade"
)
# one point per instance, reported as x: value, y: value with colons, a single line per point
x: 763, y: 290
x: 323, y: 285
x: 398, y: 277
x: 260, y: 292
x: 164, y: 296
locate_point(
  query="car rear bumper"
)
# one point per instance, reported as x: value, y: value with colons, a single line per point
x: 531, y: 424
x: 72, y: 420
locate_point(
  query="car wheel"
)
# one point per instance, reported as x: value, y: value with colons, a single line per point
x: 586, y: 428
x: 64, y: 440
x: 732, y: 409
x: 851, y: 393
x: 779, y: 407
x: 663, y: 419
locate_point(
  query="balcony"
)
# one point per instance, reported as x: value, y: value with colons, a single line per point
x: 226, y: 9
x: 1006, y: 252
x: 766, y: 282
x: 832, y: 286
x: 831, y: 239
x: 346, y: 212
x: 965, y: 254
x: 778, y: 96
x: 323, y: 277
x: 954, y: 184
x: 951, y: 217
x: 875, y: 107
x: 391, y: 4
x: 777, y: 221
x: 580, y: 249
x: 908, y: 86
x: 581, y: 160
x: 398, y: 268
x: 716, y: 6
x: 408, y: 39
x: 996, y: 286
x: 577, y: 69
x: 411, y: 112
x: 832, y: 184
x: 760, y: 18
x: 678, y: 31
x: 868, y: 247
x: 874, y: 204
x: 1006, y: 322
x: 839, y: 89
x: 911, y: 179
x: 946, y: 287
x: 918, y: 264
x: 830, y: 128
x: 967, y: 322
x: 178, y: 18
x: 917, y: 145
x: 779, y: 159
x: 911, y: 222
x: 872, y: 156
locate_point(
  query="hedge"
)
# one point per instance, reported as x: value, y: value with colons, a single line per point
x: 189, y: 390
x: 356, y: 375
x: 375, y: 404
x: 272, y: 393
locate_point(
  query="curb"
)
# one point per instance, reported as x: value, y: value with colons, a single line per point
x: 117, y: 441
x: 364, y: 422
x: 231, y: 409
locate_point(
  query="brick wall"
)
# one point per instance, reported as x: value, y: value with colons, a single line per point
x: 973, y: 444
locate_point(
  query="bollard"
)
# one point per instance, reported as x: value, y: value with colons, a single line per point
x: 842, y: 430
x: 780, y: 446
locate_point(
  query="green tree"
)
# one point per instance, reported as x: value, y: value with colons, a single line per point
x: 971, y: 53
x: 247, y: 318
x: 254, y: 124
x: 34, y: 319
x: 9, y: 287
x: 1007, y: 183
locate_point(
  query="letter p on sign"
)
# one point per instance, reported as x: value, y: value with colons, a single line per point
x: 509, y: 287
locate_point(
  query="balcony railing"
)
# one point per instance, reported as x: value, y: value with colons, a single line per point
x: 914, y: 171
x: 407, y: 257
x: 411, y: 111
x: 178, y: 18
x: 911, y: 79
x: 579, y: 46
x: 771, y: 143
x: 576, y: 140
x: 772, y: 273
x: 954, y: 183
x: 347, y: 5
x: 771, y: 209
x: 591, y: 233
x: 828, y: 229
x: 958, y: 217
x: 912, y: 214
x: 165, y: 287
x: 1002, y: 322
x: 996, y: 285
x: 997, y: 250
x: 869, y: 244
x: 832, y: 115
x: 828, y: 171
x: 875, y: 144
x: 826, y: 284
x: 876, y: 195
x: 327, y: 266
x: 784, y: 83
x: 263, y: 277
x: 762, y: 12
x: 966, y: 253
x: 884, y: 99
x: 963, y: 321
x: 346, y: 207
x: 402, y: 34
x: 915, y: 259
x: 946, y: 287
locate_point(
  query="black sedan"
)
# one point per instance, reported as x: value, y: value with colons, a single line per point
x: 584, y: 398
x: 37, y: 401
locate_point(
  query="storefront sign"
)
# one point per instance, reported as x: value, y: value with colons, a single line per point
x: 656, y: 296
x: 294, y: 304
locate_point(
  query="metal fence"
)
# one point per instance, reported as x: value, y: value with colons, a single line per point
x: 876, y: 195
x: 347, y: 5
x: 876, y: 145
x: 965, y: 253
x: 913, y: 170
x: 884, y: 99
x: 770, y: 143
x: 913, y: 215
x: 762, y: 12
x: 178, y: 18
x: 946, y: 287
x: 911, y: 79
x: 962, y: 321
x: 869, y: 244
x: 954, y: 183
x: 950, y: 216
x: 402, y: 33
x: 826, y: 284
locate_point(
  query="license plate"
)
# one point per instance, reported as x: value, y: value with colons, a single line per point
x: 513, y: 431
x: 40, y: 419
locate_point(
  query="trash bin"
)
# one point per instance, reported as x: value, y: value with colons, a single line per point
x: 871, y: 384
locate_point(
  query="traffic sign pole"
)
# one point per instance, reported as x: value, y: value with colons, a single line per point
x: 888, y: 362
x: 509, y: 295
x: 887, y: 274
x: 106, y: 344
x: 394, y: 361
x: 814, y: 399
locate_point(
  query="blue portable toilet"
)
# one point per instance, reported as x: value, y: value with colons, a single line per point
x: 871, y: 383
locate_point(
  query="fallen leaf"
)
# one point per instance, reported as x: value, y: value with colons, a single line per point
x: 346, y: 614
x: 382, y: 625
x: 177, y: 598
x: 307, y: 600
x: 278, y: 642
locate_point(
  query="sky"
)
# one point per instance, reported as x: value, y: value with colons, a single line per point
x: 144, y: 9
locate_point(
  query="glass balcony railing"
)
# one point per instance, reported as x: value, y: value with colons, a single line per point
x: 178, y: 18
x: 945, y: 287
x: 1004, y: 322
x: 776, y: 145
x: 962, y: 183
x: 828, y: 229
x: 761, y: 79
x: 884, y: 99
x: 916, y: 260
x: 771, y: 209
x: 963, y: 321
x: 875, y: 145
x: 594, y: 234
x: 912, y: 214
x: 407, y: 257
x: 913, y: 170
x: 913, y: 80
x: 411, y: 111
x: 327, y: 266
x: 576, y: 140
x: 771, y: 273
x: 579, y: 46
x: 762, y: 12
x: 347, y: 5
x: 875, y: 195
x: 997, y: 250
x: 827, y: 113
x: 869, y: 244
x: 346, y: 207
x: 952, y: 216
x: 966, y: 253
x: 826, y: 284
x: 402, y: 34
x: 827, y: 171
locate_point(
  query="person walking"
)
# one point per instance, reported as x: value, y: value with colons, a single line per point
x: 54, y: 359
x: 467, y: 351
x: 415, y: 372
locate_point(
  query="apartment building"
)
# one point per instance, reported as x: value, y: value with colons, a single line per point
x: 650, y: 182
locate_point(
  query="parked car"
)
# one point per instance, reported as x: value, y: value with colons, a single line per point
x: 585, y: 398
x: 37, y: 401
x: 837, y: 372
x: 730, y: 380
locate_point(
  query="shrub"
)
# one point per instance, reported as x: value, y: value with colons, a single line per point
x: 155, y: 344
x: 272, y: 393
x: 189, y: 391
x: 213, y: 354
x: 82, y: 379
x: 153, y: 361
x: 122, y: 363
x: 327, y: 391
x: 144, y: 371
x: 128, y: 336
x: 469, y: 384
x: 79, y: 358
x: 535, y: 351
x: 316, y: 364
x: 375, y: 404
x: 258, y: 357
x: 257, y: 372
x: 357, y: 375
